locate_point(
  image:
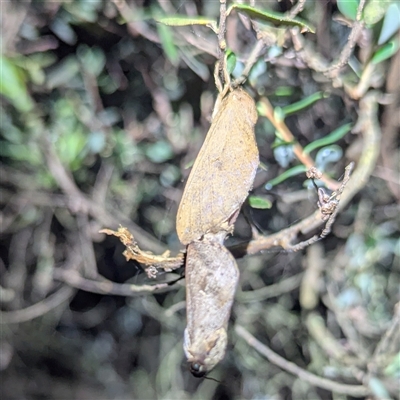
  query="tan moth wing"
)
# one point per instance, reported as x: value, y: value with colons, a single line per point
x: 223, y: 172
x: 211, y: 277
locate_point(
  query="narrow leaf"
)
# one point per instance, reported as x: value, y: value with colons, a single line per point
x: 273, y: 17
x: 327, y: 155
x: 159, y: 152
x: 167, y: 42
x: 195, y: 65
x: 333, y: 137
x: 12, y: 85
x: 230, y: 60
x: 184, y: 20
x: 260, y: 202
x: 378, y: 388
x: 304, y: 103
x: 374, y: 10
x: 284, y: 155
x: 283, y: 91
x: 385, y: 52
x: 391, y: 23
x: 348, y: 8
x: 298, y: 169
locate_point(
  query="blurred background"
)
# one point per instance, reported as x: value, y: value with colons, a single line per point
x: 102, y: 114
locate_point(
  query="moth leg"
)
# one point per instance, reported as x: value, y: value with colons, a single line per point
x: 222, y: 88
x: 221, y: 71
x: 217, y: 78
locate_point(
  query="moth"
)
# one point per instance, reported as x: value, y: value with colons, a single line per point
x: 223, y: 172
x: 218, y: 184
x: 212, y: 276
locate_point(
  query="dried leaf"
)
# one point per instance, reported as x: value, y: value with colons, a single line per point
x: 146, y: 258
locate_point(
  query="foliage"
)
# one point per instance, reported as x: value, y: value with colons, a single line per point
x: 104, y: 107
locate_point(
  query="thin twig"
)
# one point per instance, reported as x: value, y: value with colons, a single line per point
x: 331, y: 346
x: 251, y: 60
x: 388, y: 346
x: 312, y: 280
x: 6, y: 295
x: 129, y: 13
x: 102, y: 183
x: 274, y: 290
x: 306, y: 52
x: 42, y: 279
x: 17, y: 271
x: 221, y: 39
x: 354, y: 339
x: 324, y: 383
x: 86, y: 247
x: 390, y: 126
x: 74, y: 279
x: 335, y: 198
x: 297, y: 9
x: 358, y: 26
x: 38, y: 309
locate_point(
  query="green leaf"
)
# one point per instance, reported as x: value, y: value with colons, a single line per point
x: 374, y: 11
x: 393, y: 364
x: 284, y: 155
x: 272, y: 17
x: 194, y: 64
x: 263, y: 166
x: 356, y: 66
x: 348, y: 8
x: 327, y: 155
x: 260, y: 202
x: 84, y: 10
x: 258, y: 69
x: 92, y: 59
x: 385, y: 52
x: 304, y: 103
x: 279, y: 115
x: 391, y: 23
x: 63, y: 72
x: 71, y: 148
x: 12, y: 85
x: 159, y: 152
x: 62, y: 29
x: 378, y: 388
x: 184, y: 20
x: 280, y: 142
x: 230, y: 60
x: 333, y: 137
x: 189, y: 164
x: 298, y: 169
x: 284, y: 91
x: 167, y: 43
x: 96, y: 142
x: 21, y: 152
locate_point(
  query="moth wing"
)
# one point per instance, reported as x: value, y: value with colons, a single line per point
x: 211, y: 280
x: 211, y: 275
x: 223, y: 172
